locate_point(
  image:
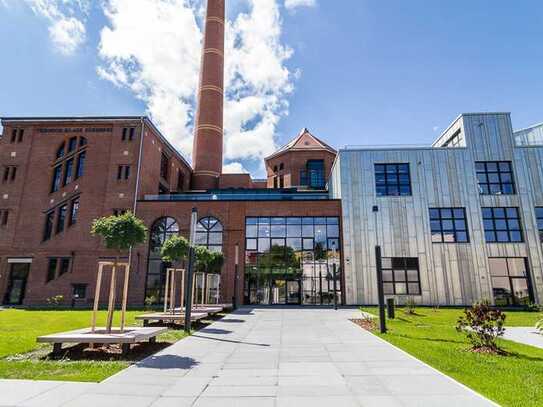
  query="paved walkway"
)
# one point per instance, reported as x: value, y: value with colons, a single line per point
x: 263, y: 357
x: 526, y: 335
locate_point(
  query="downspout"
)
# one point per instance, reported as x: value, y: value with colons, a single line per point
x: 135, y: 205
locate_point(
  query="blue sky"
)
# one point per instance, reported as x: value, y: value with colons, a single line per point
x: 352, y: 71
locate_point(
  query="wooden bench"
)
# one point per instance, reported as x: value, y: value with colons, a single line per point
x: 131, y: 335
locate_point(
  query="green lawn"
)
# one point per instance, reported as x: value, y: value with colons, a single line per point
x: 22, y: 358
x: 430, y: 335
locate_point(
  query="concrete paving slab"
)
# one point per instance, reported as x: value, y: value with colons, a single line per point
x: 526, y: 335
x: 280, y: 357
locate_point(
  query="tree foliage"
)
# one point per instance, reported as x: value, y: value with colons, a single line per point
x: 208, y: 261
x: 174, y: 249
x: 482, y: 325
x: 120, y: 232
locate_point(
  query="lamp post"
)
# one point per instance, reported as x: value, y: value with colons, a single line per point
x: 334, y: 274
x: 379, y: 269
x: 236, y: 276
x: 190, y: 268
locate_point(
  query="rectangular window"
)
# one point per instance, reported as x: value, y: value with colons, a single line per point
x: 48, y: 229
x: 61, y: 218
x: 13, y: 136
x: 510, y: 282
x: 125, y: 131
x: 68, y: 171
x: 392, y: 180
x: 74, y: 212
x: 312, y: 176
x: 4, y: 217
x: 131, y: 134
x: 401, y: 276
x: 57, y: 174
x: 180, y: 182
x: 21, y: 134
x: 51, y: 270
x: 448, y: 225
x: 539, y: 218
x: 64, y: 266
x: 495, y: 177
x: 164, y: 166
x: 80, y: 164
x: 79, y: 291
x: 502, y: 225
x: 10, y: 172
x: 123, y: 172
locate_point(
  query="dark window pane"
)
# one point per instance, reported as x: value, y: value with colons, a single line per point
x: 51, y: 270
x: 434, y: 213
x: 414, y: 288
x: 516, y: 236
x: 487, y: 213
x: 64, y: 266
x: 499, y: 212
x: 461, y: 237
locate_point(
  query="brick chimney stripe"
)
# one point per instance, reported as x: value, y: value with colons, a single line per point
x: 211, y: 88
x: 216, y: 20
x: 209, y: 127
x: 202, y: 172
x: 214, y: 51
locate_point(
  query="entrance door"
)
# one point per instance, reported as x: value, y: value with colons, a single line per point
x: 17, y: 283
x: 293, y: 292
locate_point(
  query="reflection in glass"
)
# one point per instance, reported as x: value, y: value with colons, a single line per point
x: 291, y: 261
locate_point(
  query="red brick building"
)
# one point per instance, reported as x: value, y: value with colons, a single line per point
x: 59, y: 174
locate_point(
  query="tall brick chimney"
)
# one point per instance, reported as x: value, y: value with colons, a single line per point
x: 207, y: 149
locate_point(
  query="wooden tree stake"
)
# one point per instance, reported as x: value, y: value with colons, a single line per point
x: 125, y: 295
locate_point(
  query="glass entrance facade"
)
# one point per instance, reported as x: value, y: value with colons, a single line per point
x: 290, y: 260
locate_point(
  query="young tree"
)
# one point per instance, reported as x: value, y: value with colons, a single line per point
x: 174, y: 249
x: 208, y: 261
x: 119, y: 233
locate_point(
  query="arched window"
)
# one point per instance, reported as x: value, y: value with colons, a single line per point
x: 161, y: 230
x: 69, y: 163
x: 209, y: 233
x: 60, y: 151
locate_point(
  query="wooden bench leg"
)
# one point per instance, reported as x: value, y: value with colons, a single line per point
x: 57, y: 349
x: 125, y: 348
x: 152, y: 339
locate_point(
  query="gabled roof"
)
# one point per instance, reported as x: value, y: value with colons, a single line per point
x: 305, y: 141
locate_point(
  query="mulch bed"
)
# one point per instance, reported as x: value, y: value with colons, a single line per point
x: 367, y: 324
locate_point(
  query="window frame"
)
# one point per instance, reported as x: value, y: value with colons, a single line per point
x: 506, y: 220
x: 405, y: 270
x: 396, y: 175
x: 488, y: 184
x: 453, y: 220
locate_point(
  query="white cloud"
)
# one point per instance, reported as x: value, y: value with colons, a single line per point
x: 66, y: 21
x: 234, y: 168
x: 293, y: 4
x: 153, y: 48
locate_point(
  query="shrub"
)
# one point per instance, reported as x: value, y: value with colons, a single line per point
x: 532, y: 307
x: 55, y: 299
x: 410, y: 305
x: 539, y: 326
x: 482, y: 326
x: 150, y: 300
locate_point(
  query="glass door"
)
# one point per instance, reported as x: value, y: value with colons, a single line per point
x: 17, y: 283
x: 293, y: 292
